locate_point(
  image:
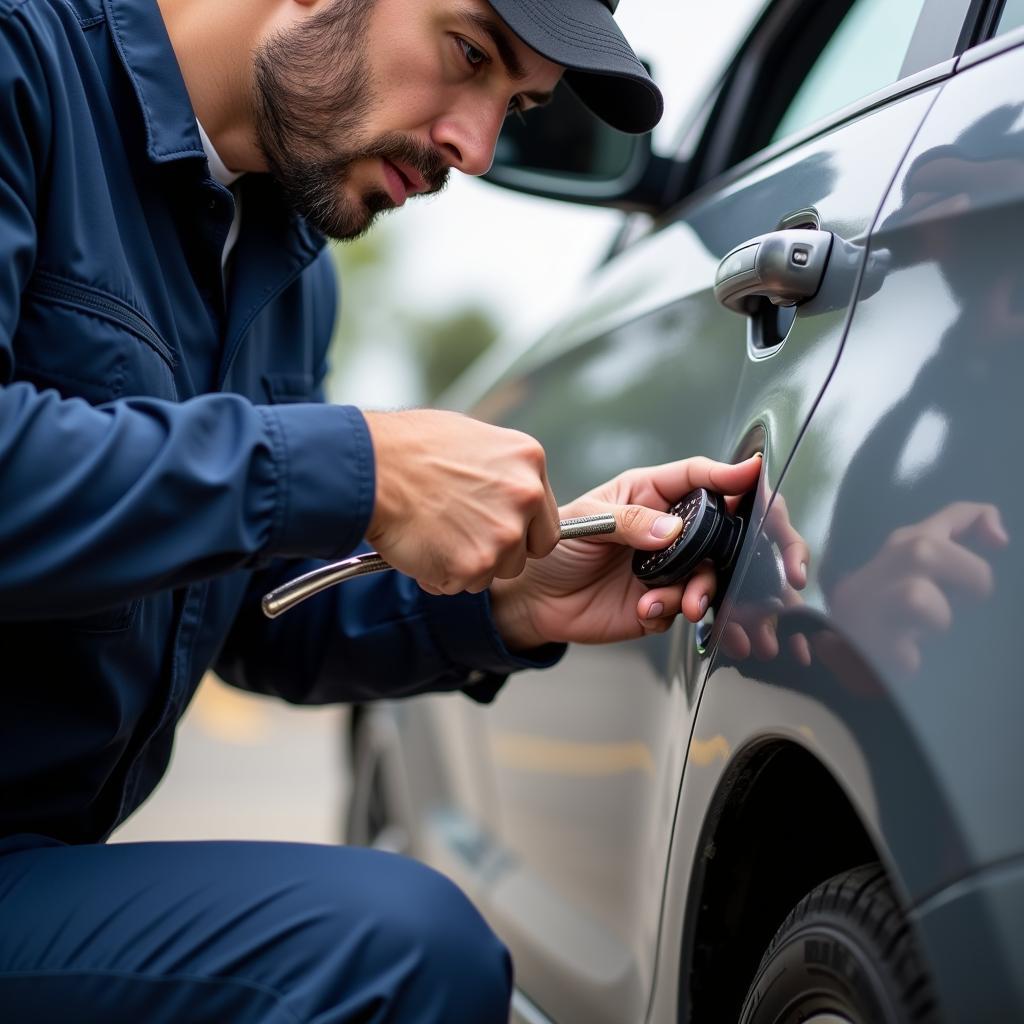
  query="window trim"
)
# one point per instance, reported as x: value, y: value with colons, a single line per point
x: 719, y: 123
x: 754, y: 62
x: 880, y: 98
x: 943, y: 31
x: 715, y: 157
x: 991, y: 48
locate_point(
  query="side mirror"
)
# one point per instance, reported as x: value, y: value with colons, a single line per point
x: 563, y: 151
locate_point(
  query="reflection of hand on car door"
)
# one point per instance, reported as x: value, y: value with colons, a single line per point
x: 585, y: 590
x: 892, y: 604
x: 780, y: 559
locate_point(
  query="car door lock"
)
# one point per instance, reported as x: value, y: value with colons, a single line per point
x: 709, y: 532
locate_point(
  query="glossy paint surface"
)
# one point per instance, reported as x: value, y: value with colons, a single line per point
x: 585, y: 760
x: 914, y: 578
x: 573, y: 809
x: 905, y: 488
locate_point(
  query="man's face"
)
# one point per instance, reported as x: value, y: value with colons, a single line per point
x: 361, y: 103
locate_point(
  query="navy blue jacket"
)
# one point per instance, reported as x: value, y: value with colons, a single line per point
x: 165, y: 456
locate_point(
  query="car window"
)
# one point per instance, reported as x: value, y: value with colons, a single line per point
x: 1012, y: 16
x: 864, y: 54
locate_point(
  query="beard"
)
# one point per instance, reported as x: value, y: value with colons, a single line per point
x: 313, y: 92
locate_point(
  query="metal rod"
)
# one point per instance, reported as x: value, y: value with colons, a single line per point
x: 295, y: 591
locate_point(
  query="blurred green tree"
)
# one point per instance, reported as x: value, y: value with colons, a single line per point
x: 374, y: 311
x: 448, y: 345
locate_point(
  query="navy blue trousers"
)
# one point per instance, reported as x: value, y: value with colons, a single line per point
x: 227, y: 932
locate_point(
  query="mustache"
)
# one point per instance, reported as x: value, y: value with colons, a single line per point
x: 424, y: 159
x: 311, y: 185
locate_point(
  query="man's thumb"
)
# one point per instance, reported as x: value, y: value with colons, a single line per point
x: 647, y: 528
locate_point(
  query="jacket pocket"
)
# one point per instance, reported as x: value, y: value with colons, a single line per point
x: 54, y: 288
x: 89, y: 344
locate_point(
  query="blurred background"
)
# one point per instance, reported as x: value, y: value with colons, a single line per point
x: 475, y: 272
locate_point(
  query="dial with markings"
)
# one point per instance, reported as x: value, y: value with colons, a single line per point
x: 709, y: 532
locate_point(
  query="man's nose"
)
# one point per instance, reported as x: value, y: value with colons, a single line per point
x: 467, y: 137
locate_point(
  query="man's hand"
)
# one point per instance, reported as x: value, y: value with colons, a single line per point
x: 585, y: 590
x: 458, y: 502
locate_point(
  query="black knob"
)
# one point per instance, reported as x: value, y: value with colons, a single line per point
x: 709, y: 532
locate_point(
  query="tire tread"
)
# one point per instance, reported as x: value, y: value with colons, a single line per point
x: 864, y: 897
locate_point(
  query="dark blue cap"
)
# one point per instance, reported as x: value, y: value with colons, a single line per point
x: 601, y: 67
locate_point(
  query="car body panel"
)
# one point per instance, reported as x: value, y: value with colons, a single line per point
x: 579, y: 810
x: 915, y: 417
x: 971, y: 933
x: 887, y: 450
x: 585, y: 759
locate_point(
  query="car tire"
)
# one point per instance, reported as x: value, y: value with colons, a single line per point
x: 376, y: 815
x: 845, y: 954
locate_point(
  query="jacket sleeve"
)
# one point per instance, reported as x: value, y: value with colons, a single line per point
x: 373, y: 637
x: 103, y: 504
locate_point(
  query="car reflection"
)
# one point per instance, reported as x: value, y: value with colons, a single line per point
x: 892, y: 593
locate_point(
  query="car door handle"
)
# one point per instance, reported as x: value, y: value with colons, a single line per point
x: 785, y: 267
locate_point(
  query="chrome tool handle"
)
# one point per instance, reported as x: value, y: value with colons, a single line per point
x: 586, y: 526
x: 289, y: 594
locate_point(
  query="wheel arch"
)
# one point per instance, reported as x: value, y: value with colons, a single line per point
x: 778, y: 826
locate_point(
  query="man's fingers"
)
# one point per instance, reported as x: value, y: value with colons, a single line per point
x: 658, y: 607
x: 796, y: 555
x: 700, y: 591
x: 511, y: 564
x: 646, y: 529
x: 542, y: 533
x: 674, y: 479
x: 693, y: 597
x: 735, y: 642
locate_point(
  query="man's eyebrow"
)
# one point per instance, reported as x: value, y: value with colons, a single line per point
x: 498, y: 35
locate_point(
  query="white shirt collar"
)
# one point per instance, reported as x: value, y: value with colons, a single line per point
x: 217, y: 166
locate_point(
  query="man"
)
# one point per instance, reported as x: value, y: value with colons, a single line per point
x: 166, y: 175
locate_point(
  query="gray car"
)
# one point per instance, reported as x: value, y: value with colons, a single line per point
x: 807, y: 807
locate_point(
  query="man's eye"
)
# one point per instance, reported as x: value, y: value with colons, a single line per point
x: 474, y: 57
x: 515, y: 108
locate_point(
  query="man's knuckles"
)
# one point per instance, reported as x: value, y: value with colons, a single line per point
x: 634, y: 517
x: 524, y: 448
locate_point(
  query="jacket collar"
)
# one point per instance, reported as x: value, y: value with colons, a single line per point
x: 139, y: 33
x: 172, y: 131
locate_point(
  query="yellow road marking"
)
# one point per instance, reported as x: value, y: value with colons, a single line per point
x: 230, y: 716
x: 563, y: 757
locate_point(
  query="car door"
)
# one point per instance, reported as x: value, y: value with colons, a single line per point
x: 905, y: 488
x: 562, y: 829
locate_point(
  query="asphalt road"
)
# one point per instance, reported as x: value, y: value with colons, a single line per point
x: 247, y: 767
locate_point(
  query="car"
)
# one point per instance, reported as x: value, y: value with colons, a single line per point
x: 806, y: 807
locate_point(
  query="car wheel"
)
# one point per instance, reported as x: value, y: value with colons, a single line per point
x: 376, y: 814
x: 844, y: 955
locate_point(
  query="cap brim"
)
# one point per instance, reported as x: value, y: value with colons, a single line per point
x: 601, y: 67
